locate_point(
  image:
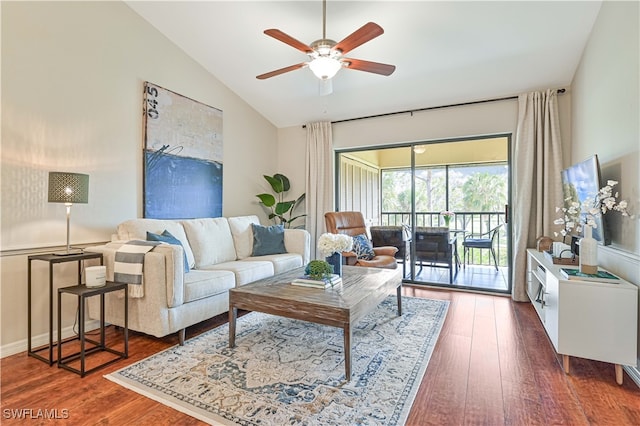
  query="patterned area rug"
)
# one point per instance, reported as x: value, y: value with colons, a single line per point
x: 289, y: 372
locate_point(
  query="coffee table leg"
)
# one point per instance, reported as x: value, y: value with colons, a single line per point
x: 347, y: 352
x: 399, y: 295
x: 233, y: 314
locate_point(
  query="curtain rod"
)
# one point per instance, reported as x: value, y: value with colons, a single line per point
x: 411, y: 111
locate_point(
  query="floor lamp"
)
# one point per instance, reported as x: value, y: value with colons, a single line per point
x: 68, y: 188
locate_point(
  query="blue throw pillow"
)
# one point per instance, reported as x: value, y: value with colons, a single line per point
x: 167, y: 237
x: 362, y: 247
x: 268, y: 239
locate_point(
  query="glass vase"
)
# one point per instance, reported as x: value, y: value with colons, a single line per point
x: 335, y: 260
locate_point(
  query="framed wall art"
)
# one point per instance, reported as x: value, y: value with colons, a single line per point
x: 182, y: 156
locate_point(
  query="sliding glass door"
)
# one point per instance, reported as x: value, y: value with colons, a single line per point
x: 417, y: 187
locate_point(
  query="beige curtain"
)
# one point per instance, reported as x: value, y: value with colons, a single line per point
x: 319, y: 182
x: 537, y: 189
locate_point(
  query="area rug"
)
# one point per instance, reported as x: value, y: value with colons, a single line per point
x: 289, y: 372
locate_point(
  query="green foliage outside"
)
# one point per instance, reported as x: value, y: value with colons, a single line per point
x: 471, y: 189
x: 484, y: 192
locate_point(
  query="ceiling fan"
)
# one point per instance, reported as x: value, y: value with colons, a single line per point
x: 326, y: 56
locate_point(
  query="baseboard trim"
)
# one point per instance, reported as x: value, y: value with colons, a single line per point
x: 43, y: 339
x: 634, y: 373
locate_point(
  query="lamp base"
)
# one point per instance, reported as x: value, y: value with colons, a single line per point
x: 68, y: 252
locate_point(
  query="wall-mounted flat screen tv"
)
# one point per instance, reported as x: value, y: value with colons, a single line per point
x: 581, y: 183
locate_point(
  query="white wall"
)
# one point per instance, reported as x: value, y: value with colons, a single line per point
x: 606, y: 121
x: 291, y: 161
x: 72, y: 81
x: 606, y: 112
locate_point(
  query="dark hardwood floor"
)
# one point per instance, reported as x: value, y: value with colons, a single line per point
x: 493, y: 365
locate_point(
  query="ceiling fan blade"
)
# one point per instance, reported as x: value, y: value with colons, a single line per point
x: 374, y: 67
x: 360, y: 36
x: 281, y: 71
x: 285, y: 38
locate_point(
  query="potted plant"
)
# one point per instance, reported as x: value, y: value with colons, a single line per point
x: 319, y: 270
x: 281, y: 210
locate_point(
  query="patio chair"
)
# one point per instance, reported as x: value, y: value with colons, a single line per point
x: 395, y: 236
x: 482, y: 241
x: 435, y: 247
x: 352, y: 224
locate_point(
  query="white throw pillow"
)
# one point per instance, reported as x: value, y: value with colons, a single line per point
x: 211, y: 240
x: 242, y: 234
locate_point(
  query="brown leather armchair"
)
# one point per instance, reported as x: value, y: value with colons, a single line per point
x: 352, y: 224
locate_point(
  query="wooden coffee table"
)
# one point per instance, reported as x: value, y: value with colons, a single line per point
x: 362, y: 289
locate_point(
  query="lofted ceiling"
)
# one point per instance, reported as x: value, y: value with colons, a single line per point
x: 445, y: 52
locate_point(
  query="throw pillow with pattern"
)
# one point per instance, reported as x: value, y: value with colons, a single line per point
x: 362, y: 247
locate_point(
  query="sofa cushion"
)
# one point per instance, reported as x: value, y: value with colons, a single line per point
x: 268, y: 239
x: 281, y: 262
x: 200, y: 284
x: 167, y: 237
x: 211, y: 240
x: 246, y: 271
x: 242, y: 234
x: 136, y: 229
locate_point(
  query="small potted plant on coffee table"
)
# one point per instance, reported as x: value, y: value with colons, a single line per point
x: 319, y: 270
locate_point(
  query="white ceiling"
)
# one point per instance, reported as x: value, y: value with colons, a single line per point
x: 445, y: 52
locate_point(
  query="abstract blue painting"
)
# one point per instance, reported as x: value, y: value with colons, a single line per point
x: 182, y: 156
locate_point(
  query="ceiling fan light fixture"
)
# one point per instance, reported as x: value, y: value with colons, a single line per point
x: 325, y: 68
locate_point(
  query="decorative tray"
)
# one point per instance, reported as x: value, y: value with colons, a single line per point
x: 575, y: 260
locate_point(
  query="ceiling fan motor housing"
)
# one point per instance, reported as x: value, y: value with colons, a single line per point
x: 324, y: 46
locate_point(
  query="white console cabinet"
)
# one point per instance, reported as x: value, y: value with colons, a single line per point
x: 593, y: 320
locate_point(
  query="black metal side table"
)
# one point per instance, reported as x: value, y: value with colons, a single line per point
x: 52, y: 259
x: 83, y: 292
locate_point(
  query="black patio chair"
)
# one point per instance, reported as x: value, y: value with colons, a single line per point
x: 395, y: 236
x: 481, y: 241
x: 436, y: 247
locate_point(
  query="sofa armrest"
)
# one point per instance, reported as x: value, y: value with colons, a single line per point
x: 298, y: 241
x: 350, y: 258
x: 385, y: 251
x: 163, y: 272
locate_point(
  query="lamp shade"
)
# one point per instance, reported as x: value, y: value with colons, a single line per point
x: 68, y: 187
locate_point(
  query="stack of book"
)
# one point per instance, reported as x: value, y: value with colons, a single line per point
x: 601, y: 276
x: 306, y: 281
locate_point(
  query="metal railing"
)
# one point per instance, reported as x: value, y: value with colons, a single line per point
x: 472, y: 223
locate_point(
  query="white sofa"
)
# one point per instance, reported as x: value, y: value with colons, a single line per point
x: 219, y: 251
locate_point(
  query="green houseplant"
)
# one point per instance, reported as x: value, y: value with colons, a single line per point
x: 319, y: 269
x: 281, y: 210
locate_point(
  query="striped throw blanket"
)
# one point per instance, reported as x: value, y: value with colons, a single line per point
x: 129, y: 262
